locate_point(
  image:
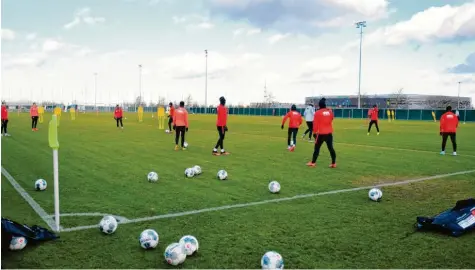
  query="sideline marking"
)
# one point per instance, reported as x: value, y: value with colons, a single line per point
x: 296, y: 197
x: 38, y: 209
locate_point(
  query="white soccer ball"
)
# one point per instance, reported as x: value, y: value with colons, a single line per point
x: 222, y: 175
x: 272, y: 260
x: 185, y: 144
x: 167, y: 131
x: 152, y: 177
x: 40, y: 184
x: 175, y: 254
x: 375, y: 194
x: 197, y: 169
x: 274, y: 187
x: 148, y: 239
x: 18, y: 243
x: 190, y: 243
x: 108, y: 225
x: 189, y: 172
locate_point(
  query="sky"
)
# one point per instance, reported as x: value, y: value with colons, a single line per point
x: 51, y: 49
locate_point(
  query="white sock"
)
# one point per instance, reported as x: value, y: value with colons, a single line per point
x: 222, y: 151
x: 215, y: 150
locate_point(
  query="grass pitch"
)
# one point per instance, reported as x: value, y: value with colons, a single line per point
x: 104, y: 170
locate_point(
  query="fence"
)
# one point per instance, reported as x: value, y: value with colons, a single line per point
x: 400, y: 114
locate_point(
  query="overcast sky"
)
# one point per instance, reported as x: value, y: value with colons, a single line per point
x: 299, y: 47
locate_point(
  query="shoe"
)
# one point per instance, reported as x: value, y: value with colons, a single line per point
x: 292, y: 148
x: 442, y: 153
x: 332, y: 165
x: 7, y: 135
x: 377, y: 133
x: 368, y: 134
x: 176, y: 147
x: 32, y: 129
x: 216, y: 153
x: 454, y: 153
x: 310, y: 140
x: 183, y: 148
x: 311, y: 164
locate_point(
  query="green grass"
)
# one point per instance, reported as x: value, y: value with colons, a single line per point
x: 103, y: 169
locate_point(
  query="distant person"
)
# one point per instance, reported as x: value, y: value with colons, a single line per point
x: 118, y: 114
x: 180, y: 125
x: 171, y: 114
x: 448, y: 128
x: 34, y: 117
x: 323, y: 132
x: 308, y: 115
x: 373, y: 116
x: 4, y: 119
x: 294, y: 124
x: 221, y: 125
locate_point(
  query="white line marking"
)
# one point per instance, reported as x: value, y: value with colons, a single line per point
x: 38, y: 209
x: 119, y: 218
x: 243, y: 205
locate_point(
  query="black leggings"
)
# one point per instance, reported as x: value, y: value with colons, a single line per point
x: 292, y: 132
x: 180, y: 132
x: 309, y: 129
x: 170, y: 121
x: 4, y: 126
x: 327, y: 138
x: 34, y: 121
x: 375, y: 122
x: 222, y: 134
x: 453, y: 138
x: 119, y: 120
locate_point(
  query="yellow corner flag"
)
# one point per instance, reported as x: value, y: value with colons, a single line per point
x: 433, y: 116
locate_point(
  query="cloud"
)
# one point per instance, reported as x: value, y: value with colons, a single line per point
x: 194, y: 21
x: 322, y: 69
x: 249, y: 32
x: 466, y: 68
x: 192, y: 65
x: 31, y: 36
x: 24, y: 60
x: 83, y: 16
x: 277, y: 37
x: 446, y: 23
x: 8, y: 34
x: 299, y: 16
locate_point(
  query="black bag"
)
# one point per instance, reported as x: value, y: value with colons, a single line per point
x: 11, y: 228
x: 455, y: 221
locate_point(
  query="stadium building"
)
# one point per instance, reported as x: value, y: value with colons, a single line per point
x: 395, y: 101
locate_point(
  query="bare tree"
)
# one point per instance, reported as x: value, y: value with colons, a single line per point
x: 269, y: 98
x: 161, y: 101
x: 188, y: 100
x: 399, y: 99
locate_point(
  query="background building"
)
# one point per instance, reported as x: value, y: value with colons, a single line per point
x: 395, y: 101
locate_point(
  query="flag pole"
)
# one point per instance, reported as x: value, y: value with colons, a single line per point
x: 54, y: 144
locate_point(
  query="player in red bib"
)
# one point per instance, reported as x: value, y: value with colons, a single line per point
x: 323, y: 132
x: 171, y: 114
x: 373, y: 116
x: 449, y: 123
x: 295, y: 120
x: 221, y: 125
x: 4, y: 119
x: 118, y: 114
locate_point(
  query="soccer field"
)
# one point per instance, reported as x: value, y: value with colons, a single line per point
x: 103, y: 170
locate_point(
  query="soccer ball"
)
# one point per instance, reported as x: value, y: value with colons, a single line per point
x: 108, y: 225
x: 222, y: 175
x: 40, y: 184
x: 197, y: 169
x: 185, y: 144
x: 375, y: 194
x: 190, y: 243
x: 167, y: 131
x: 274, y: 187
x: 148, y: 239
x: 189, y: 172
x: 175, y: 254
x: 18, y: 243
x: 152, y: 177
x: 272, y: 260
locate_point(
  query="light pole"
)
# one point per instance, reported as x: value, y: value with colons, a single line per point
x: 95, y: 91
x: 140, y: 84
x: 206, y: 81
x: 360, y: 25
x: 458, y: 97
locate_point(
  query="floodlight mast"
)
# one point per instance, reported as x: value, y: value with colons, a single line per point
x: 360, y: 25
x: 206, y: 81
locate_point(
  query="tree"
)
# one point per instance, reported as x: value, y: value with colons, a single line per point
x: 399, y: 98
x: 188, y: 100
x: 161, y: 101
x: 269, y: 98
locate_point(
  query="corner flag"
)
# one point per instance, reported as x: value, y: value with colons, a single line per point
x: 54, y: 144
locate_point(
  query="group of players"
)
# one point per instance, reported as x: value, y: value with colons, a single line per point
x: 319, y: 124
